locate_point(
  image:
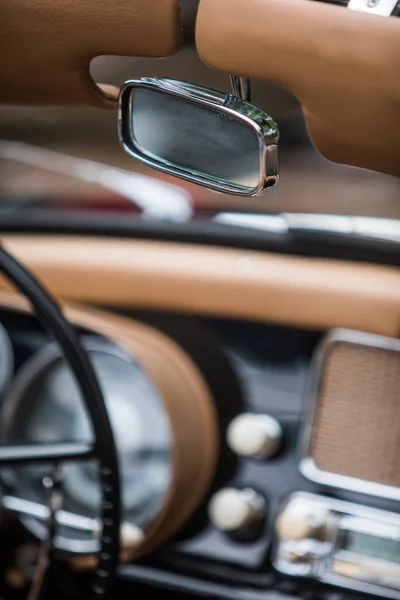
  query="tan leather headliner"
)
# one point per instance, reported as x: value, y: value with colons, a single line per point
x: 304, y: 292
x: 47, y: 45
x: 342, y: 65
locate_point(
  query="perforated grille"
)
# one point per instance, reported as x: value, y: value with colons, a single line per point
x: 357, y: 425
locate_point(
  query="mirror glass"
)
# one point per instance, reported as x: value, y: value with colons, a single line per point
x: 201, y: 140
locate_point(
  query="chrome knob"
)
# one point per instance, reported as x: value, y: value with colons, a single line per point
x: 232, y: 509
x: 298, y: 521
x: 255, y: 435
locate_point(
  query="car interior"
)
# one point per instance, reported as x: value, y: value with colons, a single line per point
x: 200, y: 299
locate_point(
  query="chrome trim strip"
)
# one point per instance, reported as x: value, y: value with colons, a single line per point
x: 263, y: 125
x: 368, y: 227
x: 349, y: 510
x: 307, y: 465
x: 340, y: 225
x: 275, y: 223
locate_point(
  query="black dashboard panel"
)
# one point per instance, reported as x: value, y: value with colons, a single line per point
x: 253, y: 368
x: 270, y: 366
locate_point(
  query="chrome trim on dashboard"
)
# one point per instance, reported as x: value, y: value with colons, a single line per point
x: 274, y: 223
x: 307, y: 465
x: 309, y: 469
x: 340, y: 225
x: 343, y: 516
x: 382, y: 8
x: 368, y: 227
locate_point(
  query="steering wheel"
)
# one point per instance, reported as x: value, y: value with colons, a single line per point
x: 103, y: 449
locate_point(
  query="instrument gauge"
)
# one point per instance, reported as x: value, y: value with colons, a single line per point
x: 45, y: 406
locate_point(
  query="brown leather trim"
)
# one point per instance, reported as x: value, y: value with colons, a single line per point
x: 47, y: 45
x: 342, y: 65
x: 187, y: 400
x: 304, y: 292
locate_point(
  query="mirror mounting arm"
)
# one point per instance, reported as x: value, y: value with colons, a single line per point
x: 241, y: 87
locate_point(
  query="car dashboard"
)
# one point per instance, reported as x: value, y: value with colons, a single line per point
x: 254, y: 398
x: 239, y: 370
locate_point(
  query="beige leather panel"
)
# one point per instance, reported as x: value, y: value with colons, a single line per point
x: 47, y: 45
x: 342, y: 65
x: 305, y: 292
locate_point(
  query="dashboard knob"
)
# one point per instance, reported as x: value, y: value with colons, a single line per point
x: 299, y: 522
x: 232, y: 509
x: 255, y: 435
x: 130, y: 535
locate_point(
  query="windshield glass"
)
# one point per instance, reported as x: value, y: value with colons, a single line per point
x: 308, y: 183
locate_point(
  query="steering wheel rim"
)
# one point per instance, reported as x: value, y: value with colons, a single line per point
x: 104, y: 448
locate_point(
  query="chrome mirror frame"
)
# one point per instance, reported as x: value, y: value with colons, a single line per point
x: 264, y: 126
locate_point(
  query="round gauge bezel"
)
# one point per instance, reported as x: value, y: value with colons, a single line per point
x: 187, y: 400
x: 38, y: 366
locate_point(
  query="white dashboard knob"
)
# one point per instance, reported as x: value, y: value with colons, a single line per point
x: 131, y: 535
x: 254, y: 435
x: 231, y: 509
x: 300, y: 522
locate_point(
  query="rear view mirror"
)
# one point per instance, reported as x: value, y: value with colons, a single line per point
x: 202, y: 135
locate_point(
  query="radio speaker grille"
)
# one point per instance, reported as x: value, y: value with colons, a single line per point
x: 356, y: 430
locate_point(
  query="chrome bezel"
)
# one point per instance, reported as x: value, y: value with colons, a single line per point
x: 307, y: 465
x: 343, y: 516
x: 264, y: 126
x: 40, y: 361
x: 32, y: 514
